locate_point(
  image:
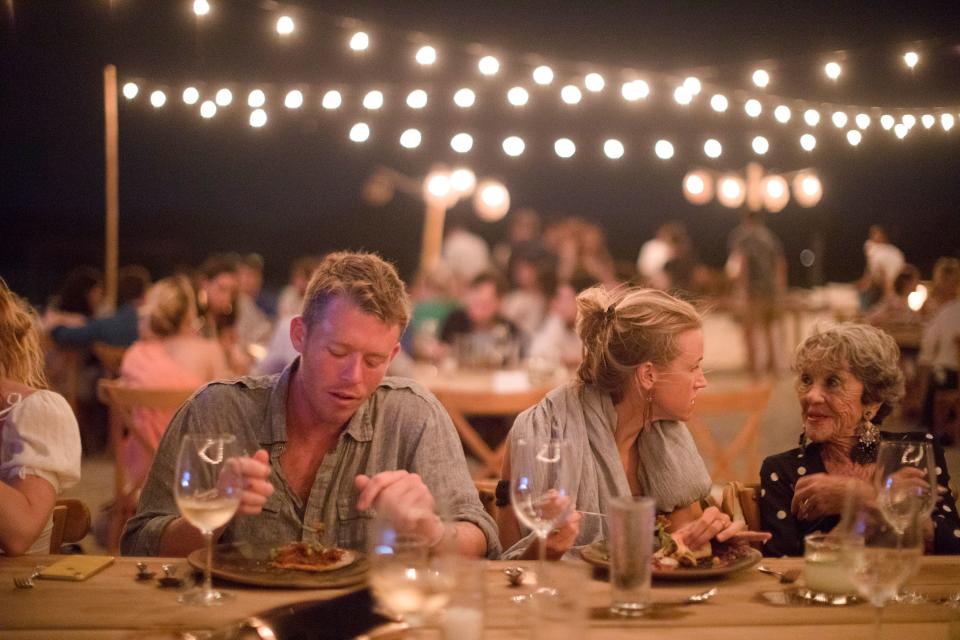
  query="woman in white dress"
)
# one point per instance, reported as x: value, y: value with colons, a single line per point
x: 39, y: 437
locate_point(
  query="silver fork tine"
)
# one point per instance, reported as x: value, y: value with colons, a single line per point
x: 27, y: 582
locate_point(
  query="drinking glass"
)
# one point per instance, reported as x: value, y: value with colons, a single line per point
x: 824, y: 571
x: 542, y: 489
x: 878, y: 557
x: 632, y: 521
x: 207, y: 488
x: 408, y: 580
x: 906, y: 482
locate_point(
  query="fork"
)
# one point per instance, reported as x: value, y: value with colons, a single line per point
x: 27, y: 582
x: 786, y: 577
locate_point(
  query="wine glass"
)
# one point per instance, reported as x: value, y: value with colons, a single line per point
x: 542, y: 489
x: 906, y: 481
x: 878, y: 557
x: 207, y: 488
x: 408, y: 578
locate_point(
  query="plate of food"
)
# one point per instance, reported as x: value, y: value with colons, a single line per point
x: 295, y: 565
x: 673, y: 560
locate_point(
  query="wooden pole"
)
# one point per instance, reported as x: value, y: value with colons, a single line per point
x: 432, y: 235
x: 112, y: 184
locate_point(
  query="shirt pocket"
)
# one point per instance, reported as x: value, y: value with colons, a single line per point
x: 352, y: 525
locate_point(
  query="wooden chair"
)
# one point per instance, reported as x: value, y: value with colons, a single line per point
x: 740, y: 503
x: 71, y: 523
x: 110, y: 357
x: 122, y: 401
x: 745, y: 445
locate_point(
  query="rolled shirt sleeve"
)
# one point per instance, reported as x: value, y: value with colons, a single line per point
x: 41, y: 438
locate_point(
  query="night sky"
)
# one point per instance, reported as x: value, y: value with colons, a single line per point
x: 189, y: 187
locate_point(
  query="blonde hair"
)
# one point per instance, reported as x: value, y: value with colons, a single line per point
x: 21, y: 356
x: 871, y: 355
x: 623, y: 328
x: 366, y: 280
x: 168, y: 304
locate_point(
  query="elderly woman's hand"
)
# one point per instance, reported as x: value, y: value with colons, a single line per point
x: 822, y: 494
x: 711, y: 524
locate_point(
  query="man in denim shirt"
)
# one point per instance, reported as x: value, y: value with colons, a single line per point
x: 332, y: 436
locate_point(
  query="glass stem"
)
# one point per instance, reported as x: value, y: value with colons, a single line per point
x: 877, y: 613
x: 208, y: 568
x: 542, y: 563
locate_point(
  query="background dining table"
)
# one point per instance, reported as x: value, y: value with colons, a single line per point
x: 114, y: 604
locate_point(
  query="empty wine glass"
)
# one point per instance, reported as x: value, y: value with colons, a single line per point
x: 408, y: 579
x: 542, y: 488
x: 207, y: 488
x: 906, y: 481
x: 879, y: 558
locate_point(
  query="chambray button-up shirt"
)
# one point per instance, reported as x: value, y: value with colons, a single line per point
x: 401, y: 426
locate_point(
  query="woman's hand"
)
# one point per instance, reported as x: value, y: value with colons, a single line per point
x: 560, y: 540
x: 823, y: 494
x: 711, y: 524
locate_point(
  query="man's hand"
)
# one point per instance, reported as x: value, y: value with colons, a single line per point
x: 560, y: 539
x: 255, y: 474
x: 402, y: 498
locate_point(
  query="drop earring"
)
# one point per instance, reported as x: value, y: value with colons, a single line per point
x: 868, y: 439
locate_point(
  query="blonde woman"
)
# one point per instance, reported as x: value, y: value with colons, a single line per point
x: 640, y: 375
x: 39, y: 437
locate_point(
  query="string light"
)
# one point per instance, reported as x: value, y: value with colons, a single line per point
x: 360, y: 132
x: 682, y: 96
x: 832, y: 69
x: 753, y: 108
x: 463, y: 181
x: 712, y: 148
x: 775, y: 193
x: 201, y: 7
x: 927, y: 120
x: 613, y: 149
x: 258, y: 118
x: 909, y: 119
x: 731, y: 190
x: 190, y: 95
x: 782, y: 114
x: 285, y: 25
x: 839, y: 119
x: 130, y: 90
x: 491, y: 200
x: 698, y: 187
x: 807, y: 189
x: 513, y: 146
x: 719, y: 103
x: 760, y: 145
x: 417, y: 99
x: 946, y: 121
x: 373, y: 100
x: 910, y: 58
x: 518, y: 96
x: 464, y: 98
x: 331, y: 100
x: 887, y: 121
x: 360, y: 41
x: 488, y: 65
x: 208, y: 109
x: 808, y: 142
x: 761, y: 78
x: 437, y: 186
x: 410, y: 139
x: 564, y: 147
x: 635, y: 90
x: 862, y: 120
x: 426, y: 55
x: 461, y: 143
x: 594, y: 82
x: 692, y: 85
x: 854, y: 137
x: 571, y: 94
x: 293, y: 99
x: 901, y: 130
x: 256, y: 98
x: 811, y: 117
x: 223, y: 98
x: 663, y: 149
x: 543, y: 75
x: 159, y: 98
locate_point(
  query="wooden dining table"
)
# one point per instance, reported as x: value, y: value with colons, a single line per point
x: 114, y: 604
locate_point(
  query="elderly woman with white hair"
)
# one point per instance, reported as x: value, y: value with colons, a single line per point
x: 848, y: 381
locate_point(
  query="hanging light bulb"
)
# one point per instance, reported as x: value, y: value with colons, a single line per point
x: 258, y: 118
x: 862, y: 120
x: 201, y: 7
x: 613, y: 149
x: 887, y: 121
x: 437, y: 188
x: 692, y: 85
x: 832, y: 69
x: 285, y: 25
x: 698, y: 187
x: 208, y: 109
x: 753, y: 108
x: 360, y: 132
x: 491, y: 200
x: 681, y: 96
x: 761, y: 78
x: 417, y: 99
x: 854, y: 137
x: 410, y: 139
x: 190, y: 95
x: 712, y: 148
x: 947, y: 121
x: 543, y: 75
x: 426, y: 56
x: 782, y: 114
x: 594, y: 82
x: 513, y: 146
x: 462, y: 181
x: 564, y: 147
x: 663, y: 149
x: 909, y: 119
x: 811, y: 117
x: 571, y: 94
x: 911, y: 58
x: 373, y: 100
x: 464, y: 98
x: 634, y: 90
x: 719, y: 103
x: 331, y: 100
x: 223, y: 97
x: 159, y: 98
x: 294, y: 99
x: 360, y: 41
x: 776, y: 193
x: 488, y: 65
x: 901, y: 130
x: 808, y: 142
x: 256, y: 98
x: 760, y: 145
x: 461, y: 143
x: 839, y: 119
x: 130, y: 90
x: 927, y: 120
x: 731, y: 190
x: 807, y: 189
x: 518, y: 96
